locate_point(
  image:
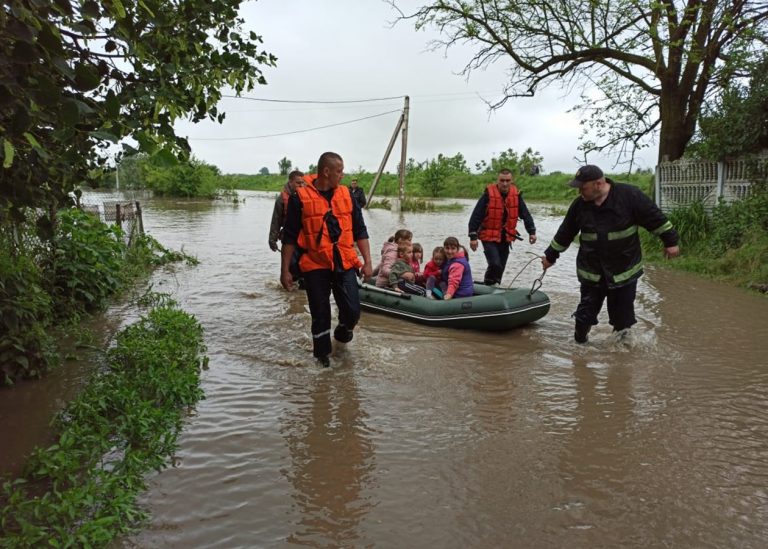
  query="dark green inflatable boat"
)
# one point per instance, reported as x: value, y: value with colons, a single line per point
x: 490, y: 309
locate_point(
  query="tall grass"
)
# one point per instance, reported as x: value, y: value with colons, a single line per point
x: 730, y: 243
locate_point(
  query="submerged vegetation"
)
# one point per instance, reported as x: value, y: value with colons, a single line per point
x: 81, y: 491
x: 416, y: 205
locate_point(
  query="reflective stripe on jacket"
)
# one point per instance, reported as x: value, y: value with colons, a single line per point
x: 490, y: 229
x: 609, y: 243
x: 315, y: 237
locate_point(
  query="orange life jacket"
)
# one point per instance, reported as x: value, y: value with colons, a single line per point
x: 490, y: 229
x: 319, y: 251
x: 284, y: 194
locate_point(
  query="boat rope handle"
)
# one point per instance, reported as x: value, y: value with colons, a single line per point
x: 536, y: 283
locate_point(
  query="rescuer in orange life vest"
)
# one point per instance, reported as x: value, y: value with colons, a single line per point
x: 494, y: 222
x: 324, y: 223
x: 281, y: 207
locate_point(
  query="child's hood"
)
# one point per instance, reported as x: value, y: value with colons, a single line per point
x: 388, y: 247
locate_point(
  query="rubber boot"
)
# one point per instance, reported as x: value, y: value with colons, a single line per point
x: 580, y: 334
x: 342, y: 334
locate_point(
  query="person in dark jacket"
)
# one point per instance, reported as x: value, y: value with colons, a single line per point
x: 358, y: 194
x: 281, y: 207
x: 494, y: 222
x: 609, y: 261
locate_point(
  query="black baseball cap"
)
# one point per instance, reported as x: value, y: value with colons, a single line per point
x: 585, y: 174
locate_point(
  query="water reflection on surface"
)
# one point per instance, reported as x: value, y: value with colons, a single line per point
x: 422, y: 437
x: 331, y: 460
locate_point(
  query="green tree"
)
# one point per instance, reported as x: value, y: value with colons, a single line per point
x: 510, y: 160
x: 431, y: 174
x: 645, y: 67
x: 131, y: 172
x: 264, y: 171
x: 737, y: 122
x: 188, y: 179
x: 78, y: 76
x: 284, y: 165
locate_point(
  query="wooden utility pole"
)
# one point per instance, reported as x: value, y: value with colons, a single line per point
x: 404, y: 148
x: 402, y: 124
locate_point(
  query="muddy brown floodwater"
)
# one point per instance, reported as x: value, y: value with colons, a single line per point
x: 422, y: 437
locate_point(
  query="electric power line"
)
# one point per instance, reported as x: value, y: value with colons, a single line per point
x: 309, y: 101
x: 293, y: 132
x: 415, y: 100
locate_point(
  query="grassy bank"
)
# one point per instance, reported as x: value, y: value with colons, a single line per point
x: 82, y: 490
x: 729, y: 244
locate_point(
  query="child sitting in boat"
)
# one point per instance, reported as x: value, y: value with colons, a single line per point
x: 433, y: 274
x: 456, y: 271
x: 416, y: 258
x: 401, y: 276
x: 389, y: 256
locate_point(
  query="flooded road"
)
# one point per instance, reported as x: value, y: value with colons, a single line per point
x: 422, y: 437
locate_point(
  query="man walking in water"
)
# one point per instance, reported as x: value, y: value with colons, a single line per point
x: 494, y: 222
x: 358, y: 195
x: 609, y: 261
x: 324, y: 222
x: 281, y: 207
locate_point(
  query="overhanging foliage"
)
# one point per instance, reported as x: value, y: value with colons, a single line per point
x: 78, y: 75
x: 644, y: 66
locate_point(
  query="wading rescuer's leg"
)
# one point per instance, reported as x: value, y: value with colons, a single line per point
x: 496, y: 254
x: 345, y: 292
x: 318, y: 286
x: 592, y: 297
x: 621, y: 306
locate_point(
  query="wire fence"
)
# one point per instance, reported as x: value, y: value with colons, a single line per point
x: 126, y: 214
x: 24, y: 234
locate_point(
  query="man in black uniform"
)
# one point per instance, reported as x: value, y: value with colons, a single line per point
x: 358, y: 194
x: 609, y: 261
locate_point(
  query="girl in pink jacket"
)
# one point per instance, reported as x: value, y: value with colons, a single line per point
x: 389, y: 256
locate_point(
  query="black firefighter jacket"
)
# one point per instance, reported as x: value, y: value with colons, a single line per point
x: 609, y: 242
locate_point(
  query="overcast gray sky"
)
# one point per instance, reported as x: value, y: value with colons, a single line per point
x: 346, y: 50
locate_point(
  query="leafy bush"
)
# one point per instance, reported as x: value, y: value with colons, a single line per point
x: 730, y: 243
x: 26, y: 347
x: 733, y: 223
x: 81, y: 491
x: 87, y: 262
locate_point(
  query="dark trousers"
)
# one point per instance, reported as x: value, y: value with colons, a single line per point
x: 319, y: 285
x: 496, y: 254
x: 410, y: 287
x: 621, y: 304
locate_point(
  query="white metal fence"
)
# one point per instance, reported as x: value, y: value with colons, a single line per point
x: 684, y: 182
